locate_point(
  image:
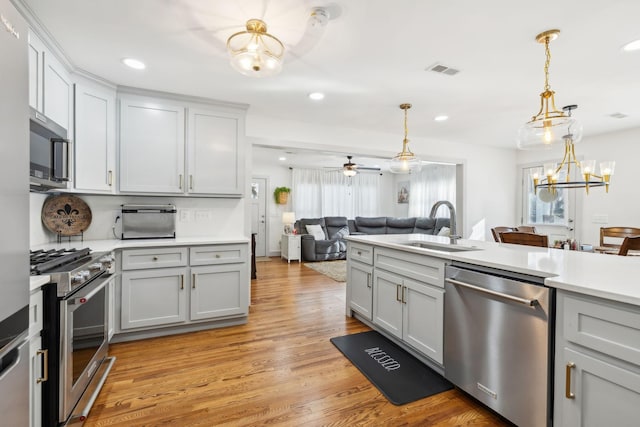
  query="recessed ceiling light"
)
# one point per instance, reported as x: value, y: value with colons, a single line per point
x: 282, y: 159
x: 316, y: 96
x: 134, y: 63
x: 634, y: 45
x: 440, y: 118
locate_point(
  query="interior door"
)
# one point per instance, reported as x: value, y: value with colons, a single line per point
x: 259, y: 214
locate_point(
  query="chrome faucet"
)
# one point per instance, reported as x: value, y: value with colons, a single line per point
x: 453, y: 236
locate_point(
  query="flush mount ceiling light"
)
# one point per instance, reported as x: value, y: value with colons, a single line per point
x: 548, y: 125
x: 134, y: 63
x: 631, y: 46
x: 441, y: 118
x: 316, y: 96
x: 553, y: 176
x: 255, y: 52
x: 405, y: 161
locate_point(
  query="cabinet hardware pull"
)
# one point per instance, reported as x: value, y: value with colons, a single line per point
x: 180, y: 183
x: 193, y: 281
x: 217, y: 255
x: 155, y: 258
x: 190, y: 182
x: 404, y: 301
x: 524, y: 301
x: 182, y: 281
x: 398, y: 293
x: 567, y: 390
x: 368, y: 280
x: 110, y: 178
x: 359, y: 253
x: 45, y: 362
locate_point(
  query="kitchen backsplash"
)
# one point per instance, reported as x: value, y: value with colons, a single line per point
x: 196, y: 216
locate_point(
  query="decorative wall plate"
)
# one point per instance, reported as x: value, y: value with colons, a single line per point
x: 66, y: 215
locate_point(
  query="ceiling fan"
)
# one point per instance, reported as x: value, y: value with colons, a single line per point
x: 351, y: 169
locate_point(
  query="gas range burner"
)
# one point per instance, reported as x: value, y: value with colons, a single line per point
x: 43, y: 261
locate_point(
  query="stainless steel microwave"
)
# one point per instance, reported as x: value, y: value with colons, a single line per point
x: 49, y: 153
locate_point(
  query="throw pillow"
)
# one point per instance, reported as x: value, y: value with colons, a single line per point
x: 444, y: 231
x: 316, y: 231
x: 344, y: 231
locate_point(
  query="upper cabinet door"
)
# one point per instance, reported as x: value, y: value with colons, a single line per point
x: 36, y: 72
x: 151, y: 147
x: 215, y: 153
x: 58, y: 93
x: 95, y: 142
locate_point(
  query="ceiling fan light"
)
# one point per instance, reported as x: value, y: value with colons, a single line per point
x: 349, y: 172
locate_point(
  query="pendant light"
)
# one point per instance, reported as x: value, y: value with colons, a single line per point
x: 255, y: 52
x: 405, y: 161
x: 549, y: 125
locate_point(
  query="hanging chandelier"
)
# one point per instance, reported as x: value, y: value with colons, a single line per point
x: 548, y: 125
x: 550, y: 176
x: 255, y: 52
x: 405, y: 161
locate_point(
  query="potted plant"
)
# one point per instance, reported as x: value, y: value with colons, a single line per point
x: 281, y: 195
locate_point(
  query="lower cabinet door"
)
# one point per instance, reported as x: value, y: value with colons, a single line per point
x: 36, y: 378
x: 423, y: 315
x: 360, y: 278
x: 604, y: 394
x: 387, y: 302
x: 219, y: 291
x: 153, y: 297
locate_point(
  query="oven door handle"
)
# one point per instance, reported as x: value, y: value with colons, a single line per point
x: 513, y: 298
x: 85, y: 298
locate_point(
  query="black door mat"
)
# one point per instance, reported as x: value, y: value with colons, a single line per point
x: 399, y: 376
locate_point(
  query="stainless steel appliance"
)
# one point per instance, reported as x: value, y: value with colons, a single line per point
x: 49, y: 153
x: 75, y: 330
x: 14, y: 215
x: 148, y: 222
x: 498, y: 341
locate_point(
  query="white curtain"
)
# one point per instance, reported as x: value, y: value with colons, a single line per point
x: 316, y: 193
x: 434, y: 182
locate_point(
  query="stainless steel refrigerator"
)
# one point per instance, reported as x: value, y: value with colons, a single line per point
x: 14, y: 218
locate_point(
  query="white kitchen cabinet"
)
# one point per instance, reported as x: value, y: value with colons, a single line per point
x: 597, y: 362
x: 360, y: 280
x: 215, y: 148
x: 37, y: 359
x: 160, y: 153
x: 111, y: 314
x: 152, y: 144
x: 95, y: 138
x: 387, y: 302
x: 50, y: 89
x: 153, y: 297
x: 218, y: 291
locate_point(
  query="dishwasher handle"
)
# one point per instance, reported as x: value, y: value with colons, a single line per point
x: 523, y: 301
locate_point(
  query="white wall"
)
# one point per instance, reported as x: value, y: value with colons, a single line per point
x: 223, y: 218
x: 490, y: 179
x: 621, y: 205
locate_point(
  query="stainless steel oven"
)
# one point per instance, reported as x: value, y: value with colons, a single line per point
x: 75, y: 331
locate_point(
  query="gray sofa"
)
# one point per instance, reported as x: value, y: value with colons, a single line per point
x: 336, y: 228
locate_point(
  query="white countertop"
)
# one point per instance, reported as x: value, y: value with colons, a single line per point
x: 36, y: 282
x: 607, y: 276
x: 113, y: 244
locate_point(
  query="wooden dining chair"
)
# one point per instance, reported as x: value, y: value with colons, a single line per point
x: 629, y: 243
x: 521, y: 238
x: 497, y: 230
x: 616, y: 232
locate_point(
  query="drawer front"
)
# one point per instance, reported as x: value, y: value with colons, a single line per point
x: 35, y: 312
x: 218, y: 254
x: 610, y: 328
x: 418, y: 267
x: 136, y: 259
x: 360, y: 252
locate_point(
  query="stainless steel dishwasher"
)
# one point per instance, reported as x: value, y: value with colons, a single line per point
x: 498, y: 341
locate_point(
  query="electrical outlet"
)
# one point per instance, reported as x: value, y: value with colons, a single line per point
x: 203, y: 215
x: 186, y: 215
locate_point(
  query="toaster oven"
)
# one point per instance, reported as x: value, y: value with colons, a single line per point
x: 148, y: 222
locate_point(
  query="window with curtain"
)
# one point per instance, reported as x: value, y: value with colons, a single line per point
x: 317, y: 193
x: 544, y: 207
x: 434, y: 182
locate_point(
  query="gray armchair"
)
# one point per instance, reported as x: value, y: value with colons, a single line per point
x: 333, y: 246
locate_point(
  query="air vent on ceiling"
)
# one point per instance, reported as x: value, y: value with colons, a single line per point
x: 443, y: 69
x: 618, y: 115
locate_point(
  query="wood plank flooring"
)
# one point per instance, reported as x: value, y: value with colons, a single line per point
x: 279, y: 369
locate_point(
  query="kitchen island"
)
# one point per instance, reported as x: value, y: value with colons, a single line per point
x: 594, y: 328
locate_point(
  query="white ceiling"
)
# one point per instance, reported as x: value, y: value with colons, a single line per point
x: 371, y: 57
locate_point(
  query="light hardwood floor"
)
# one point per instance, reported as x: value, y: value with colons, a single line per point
x: 279, y: 369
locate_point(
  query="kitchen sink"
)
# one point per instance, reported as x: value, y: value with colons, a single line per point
x: 442, y: 247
